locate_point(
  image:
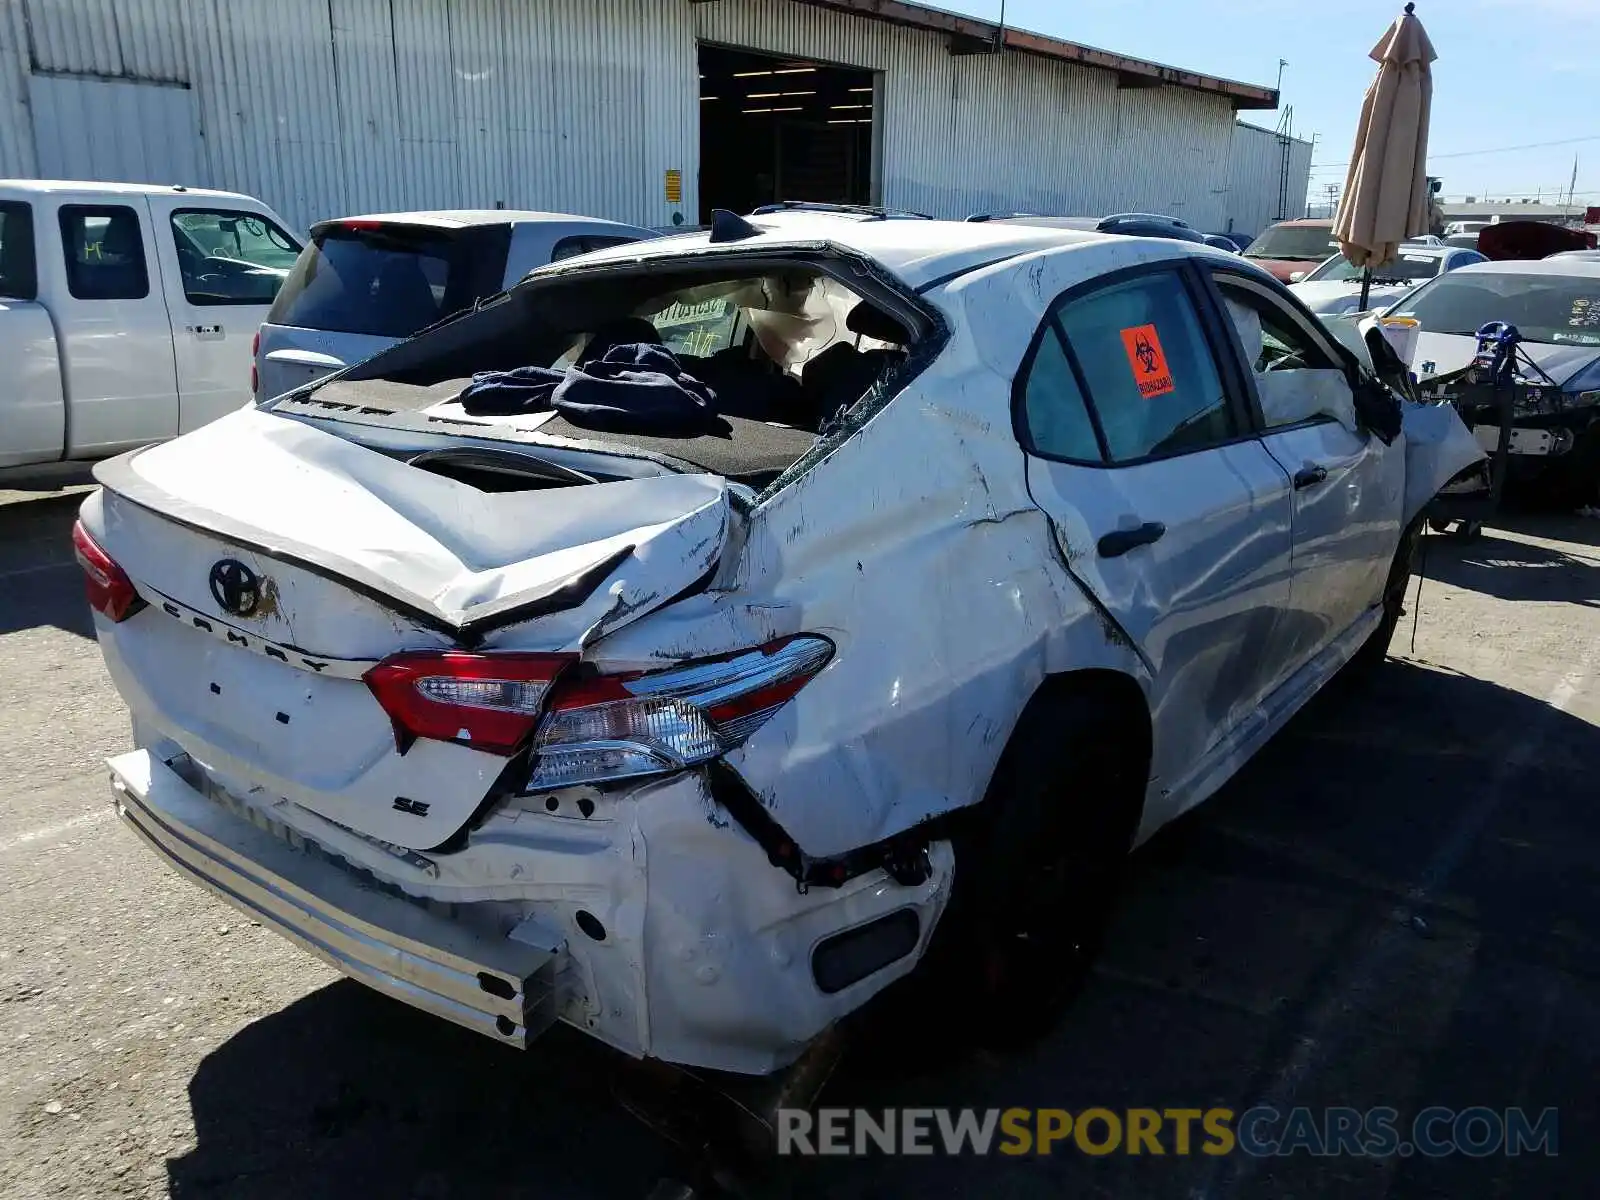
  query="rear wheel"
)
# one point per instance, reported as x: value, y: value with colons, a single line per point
x: 1038, y: 867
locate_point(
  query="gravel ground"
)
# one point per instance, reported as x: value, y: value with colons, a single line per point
x: 1396, y: 903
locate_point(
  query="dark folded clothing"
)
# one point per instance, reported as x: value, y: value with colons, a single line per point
x: 503, y: 393
x: 636, y: 388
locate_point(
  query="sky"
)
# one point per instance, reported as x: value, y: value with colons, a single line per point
x: 1510, y: 73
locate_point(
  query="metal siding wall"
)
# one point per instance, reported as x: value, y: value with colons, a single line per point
x: 1000, y: 132
x: 75, y: 35
x: 324, y: 107
x: 16, y: 132
x: 1256, y: 167
x: 114, y: 130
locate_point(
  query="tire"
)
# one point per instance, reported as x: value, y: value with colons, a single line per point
x: 1375, y: 649
x: 1038, y: 867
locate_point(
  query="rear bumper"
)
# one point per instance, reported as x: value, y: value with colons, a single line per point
x: 657, y: 926
x: 498, y: 987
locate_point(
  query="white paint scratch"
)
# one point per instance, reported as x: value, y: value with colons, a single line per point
x: 48, y: 832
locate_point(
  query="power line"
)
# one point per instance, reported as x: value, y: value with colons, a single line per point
x: 1592, y: 137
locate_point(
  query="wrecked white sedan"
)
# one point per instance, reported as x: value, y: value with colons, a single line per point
x: 780, y: 608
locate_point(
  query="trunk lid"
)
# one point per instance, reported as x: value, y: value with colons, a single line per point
x: 280, y: 562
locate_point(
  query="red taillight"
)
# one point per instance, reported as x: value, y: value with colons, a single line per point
x: 255, y: 375
x: 111, y: 593
x: 360, y: 224
x: 488, y: 701
x: 615, y: 727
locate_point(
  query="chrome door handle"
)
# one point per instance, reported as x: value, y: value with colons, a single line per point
x: 1119, y: 541
x: 1309, y: 477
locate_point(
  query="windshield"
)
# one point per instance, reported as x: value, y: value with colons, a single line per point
x: 1562, y: 309
x: 1404, y: 269
x: 1293, y: 242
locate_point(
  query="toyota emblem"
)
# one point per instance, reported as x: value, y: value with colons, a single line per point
x: 235, y: 587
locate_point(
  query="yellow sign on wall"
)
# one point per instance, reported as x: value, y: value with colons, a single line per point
x: 674, y: 187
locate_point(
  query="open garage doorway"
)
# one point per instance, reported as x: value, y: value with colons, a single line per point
x: 782, y: 129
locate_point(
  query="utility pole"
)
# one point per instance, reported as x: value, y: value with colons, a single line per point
x: 1572, y: 188
x: 1333, y: 199
x: 1282, y: 63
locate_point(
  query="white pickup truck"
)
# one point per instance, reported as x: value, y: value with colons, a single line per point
x: 127, y: 313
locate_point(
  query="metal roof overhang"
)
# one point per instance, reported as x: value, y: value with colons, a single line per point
x: 969, y: 35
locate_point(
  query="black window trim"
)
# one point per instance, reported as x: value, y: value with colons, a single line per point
x: 1223, y: 359
x: 68, y: 211
x: 172, y: 229
x: 1299, y: 314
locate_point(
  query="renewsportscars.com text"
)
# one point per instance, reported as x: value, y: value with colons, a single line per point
x: 1433, y: 1132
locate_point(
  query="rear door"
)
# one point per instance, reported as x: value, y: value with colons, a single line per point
x: 111, y: 324
x: 363, y: 284
x: 1166, y: 507
x: 1348, y: 486
x: 221, y: 267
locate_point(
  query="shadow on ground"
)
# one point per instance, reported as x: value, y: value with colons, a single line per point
x: 40, y: 584
x: 1396, y: 903
x: 1510, y: 568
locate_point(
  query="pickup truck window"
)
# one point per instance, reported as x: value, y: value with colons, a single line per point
x: 104, y: 251
x: 231, y: 257
x: 18, y: 279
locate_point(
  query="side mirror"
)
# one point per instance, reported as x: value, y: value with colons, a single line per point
x: 1296, y: 276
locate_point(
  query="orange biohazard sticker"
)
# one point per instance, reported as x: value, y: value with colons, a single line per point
x: 1148, y: 360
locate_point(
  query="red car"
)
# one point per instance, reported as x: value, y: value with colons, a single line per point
x: 1291, y: 246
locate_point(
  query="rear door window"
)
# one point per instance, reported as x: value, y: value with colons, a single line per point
x: 18, y: 278
x: 389, y: 280
x: 231, y: 257
x: 104, y: 250
x: 1147, y: 368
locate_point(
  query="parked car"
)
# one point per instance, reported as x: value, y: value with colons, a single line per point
x: 364, y: 283
x: 1554, y: 304
x: 559, y: 696
x: 1236, y: 241
x: 1293, y: 246
x: 1126, y: 224
x: 1335, y: 286
x: 126, y: 313
x: 1588, y: 255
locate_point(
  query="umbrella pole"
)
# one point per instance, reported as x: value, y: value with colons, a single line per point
x: 1366, y: 288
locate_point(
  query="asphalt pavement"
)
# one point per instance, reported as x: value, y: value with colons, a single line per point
x: 1396, y: 903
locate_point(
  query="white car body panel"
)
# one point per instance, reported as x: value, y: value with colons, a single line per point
x: 951, y: 574
x: 35, y: 418
x: 1330, y: 296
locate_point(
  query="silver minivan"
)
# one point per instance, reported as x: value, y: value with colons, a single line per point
x: 363, y: 283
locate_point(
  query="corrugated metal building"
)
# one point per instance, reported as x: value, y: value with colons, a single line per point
x: 326, y: 107
x: 1268, y: 178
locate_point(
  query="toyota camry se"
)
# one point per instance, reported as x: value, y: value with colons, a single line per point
x: 708, y: 632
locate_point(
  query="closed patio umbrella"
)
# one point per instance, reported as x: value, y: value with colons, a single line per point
x: 1385, y: 198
